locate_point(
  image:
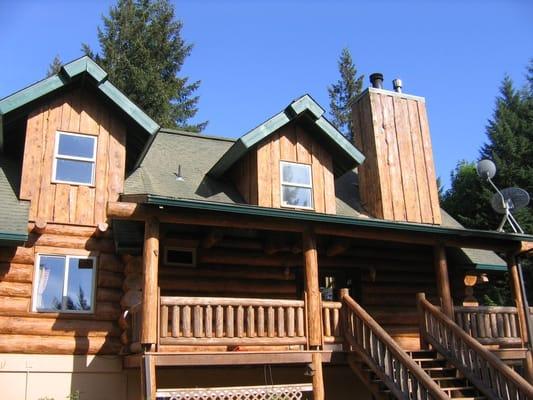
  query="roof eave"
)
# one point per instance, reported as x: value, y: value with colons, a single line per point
x: 8, y: 239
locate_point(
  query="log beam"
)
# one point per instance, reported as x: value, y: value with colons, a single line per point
x: 312, y: 290
x: 443, y: 281
x: 150, y: 272
x: 318, y: 379
x: 338, y: 247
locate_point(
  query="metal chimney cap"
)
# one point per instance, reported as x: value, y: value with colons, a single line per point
x: 377, y: 80
x: 397, y: 84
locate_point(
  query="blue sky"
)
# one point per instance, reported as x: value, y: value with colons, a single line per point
x: 254, y: 57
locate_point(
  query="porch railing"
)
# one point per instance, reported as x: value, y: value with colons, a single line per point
x: 488, y: 373
x: 214, y: 321
x: 490, y: 325
x: 331, y: 322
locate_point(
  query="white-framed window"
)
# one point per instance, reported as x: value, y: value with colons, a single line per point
x: 64, y: 283
x: 74, y: 158
x: 180, y: 256
x: 296, y: 185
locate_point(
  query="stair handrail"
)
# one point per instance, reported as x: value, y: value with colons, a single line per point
x: 405, y: 378
x: 488, y: 373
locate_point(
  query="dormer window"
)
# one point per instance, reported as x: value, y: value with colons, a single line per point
x: 296, y: 185
x: 74, y: 159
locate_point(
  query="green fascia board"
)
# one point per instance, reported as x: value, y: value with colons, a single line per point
x: 490, y: 267
x: 129, y: 107
x: 83, y: 65
x: 293, y: 110
x: 12, y: 239
x: 306, y: 216
x: 31, y: 93
x: 340, y: 140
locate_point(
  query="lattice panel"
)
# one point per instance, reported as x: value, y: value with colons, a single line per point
x: 274, y: 392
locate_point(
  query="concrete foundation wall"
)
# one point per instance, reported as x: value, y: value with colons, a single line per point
x: 40, y: 377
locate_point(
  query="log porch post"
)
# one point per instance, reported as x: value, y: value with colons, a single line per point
x: 523, y: 313
x: 150, y: 270
x: 443, y: 281
x: 312, y: 290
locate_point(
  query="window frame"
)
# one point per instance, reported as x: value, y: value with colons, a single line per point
x: 184, y: 249
x: 57, y: 156
x: 66, y: 267
x: 301, y: 185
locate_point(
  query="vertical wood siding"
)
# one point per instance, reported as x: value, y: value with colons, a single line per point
x: 257, y: 175
x: 397, y: 180
x: 78, y: 111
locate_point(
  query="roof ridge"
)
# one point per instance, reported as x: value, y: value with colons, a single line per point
x: 196, y: 134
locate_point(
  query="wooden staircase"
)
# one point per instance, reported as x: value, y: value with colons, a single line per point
x: 446, y: 376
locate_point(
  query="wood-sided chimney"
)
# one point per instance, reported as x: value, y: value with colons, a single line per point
x: 397, y: 180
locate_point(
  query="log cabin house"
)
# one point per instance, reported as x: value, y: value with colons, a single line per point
x: 138, y: 262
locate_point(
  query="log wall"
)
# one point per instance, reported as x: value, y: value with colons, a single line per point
x: 397, y: 181
x: 25, y: 331
x: 78, y: 111
x: 257, y: 176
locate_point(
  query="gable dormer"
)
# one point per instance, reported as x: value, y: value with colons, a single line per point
x: 290, y: 161
x: 75, y: 136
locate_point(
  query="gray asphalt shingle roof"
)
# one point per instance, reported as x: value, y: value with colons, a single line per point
x: 195, y: 154
x: 13, y: 213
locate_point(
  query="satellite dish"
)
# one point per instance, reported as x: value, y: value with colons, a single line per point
x: 508, y: 200
x: 513, y: 199
x: 486, y: 169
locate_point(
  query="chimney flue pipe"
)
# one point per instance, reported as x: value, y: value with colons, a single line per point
x: 397, y: 85
x: 377, y: 80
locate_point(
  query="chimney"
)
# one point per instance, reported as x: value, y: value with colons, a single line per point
x: 397, y: 180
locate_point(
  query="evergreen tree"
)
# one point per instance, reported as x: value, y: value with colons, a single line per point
x: 54, y: 66
x: 342, y: 93
x: 510, y: 146
x: 143, y: 52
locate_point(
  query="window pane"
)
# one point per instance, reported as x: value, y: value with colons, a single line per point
x: 296, y: 196
x: 76, y: 146
x: 294, y: 173
x: 80, y: 284
x: 50, y: 283
x: 74, y: 171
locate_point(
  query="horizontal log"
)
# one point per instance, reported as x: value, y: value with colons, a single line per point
x: 485, y: 310
x: 237, y: 341
x: 15, y: 289
x: 227, y: 286
x: 19, y: 255
x: 224, y: 301
x: 110, y: 279
x: 72, y: 230
x: 400, y: 277
x: 132, y: 282
x: 109, y: 295
x: 500, y: 341
x: 12, y: 272
x: 57, y: 327
x: 110, y: 262
x: 392, y: 288
x: 227, y: 271
x: 240, y: 243
x: 72, y: 242
x: 39, y: 344
x: 14, y: 304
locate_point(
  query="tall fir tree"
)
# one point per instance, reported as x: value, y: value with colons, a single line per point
x: 510, y: 146
x: 342, y: 93
x: 143, y: 52
x: 55, y: 66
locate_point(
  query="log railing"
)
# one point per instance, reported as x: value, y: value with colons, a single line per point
x: 490, y: 325
x: 488, y: 373
x: 215, y: 321
x: 405, y: 378
x: 331, y: 324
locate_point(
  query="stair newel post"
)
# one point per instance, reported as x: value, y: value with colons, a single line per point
x: 422, y: 321
x: 344, y: 318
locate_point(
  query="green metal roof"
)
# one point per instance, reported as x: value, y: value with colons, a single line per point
x: 13, y: 213
x: 346, y: 156
x: 69, y: 72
